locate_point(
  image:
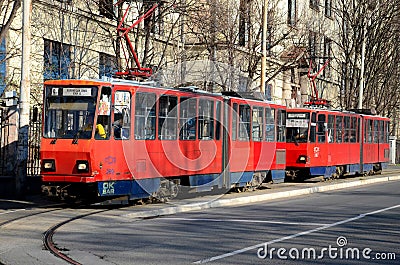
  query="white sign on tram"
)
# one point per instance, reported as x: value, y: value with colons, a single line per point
x: 74, y: 91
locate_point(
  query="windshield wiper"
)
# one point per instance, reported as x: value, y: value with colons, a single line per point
x: 76, y: 136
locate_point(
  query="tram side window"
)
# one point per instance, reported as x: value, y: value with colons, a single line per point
x: 145, y: 116
x: 269, y: 125
x: 313, y: 126
x: 353, y: 129
x: 188, y: 118
x: 244, y: 122
x: 218, y: 121
x: 103, y: 115
x: 346, y: 129
x: 339, y: 129
x: 167, y: 117
x: 370, y: 125
x: 321, y: 128
x: 234, y: 121
x: 376, y: 131
x: 258, y: 123
x: 206, y: 119
x: 365, y: 130
x: 386, y: 132
x: 122, y: 115
x: 331, y: 128
x: 281, y: 126
x: 381, y: 132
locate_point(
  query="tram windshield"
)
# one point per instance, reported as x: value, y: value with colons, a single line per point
x: 69, y: 112
x: 297, y: 127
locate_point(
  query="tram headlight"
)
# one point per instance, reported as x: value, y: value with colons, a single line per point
x: 82, y: 166
x: 303, y: 159
x: 48, y: 165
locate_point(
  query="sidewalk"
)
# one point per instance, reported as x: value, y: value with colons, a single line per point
x: 269, y: 192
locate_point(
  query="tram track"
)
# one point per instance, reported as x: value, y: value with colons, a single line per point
x: 48, y: 237
x: 55, y: 207
x: 33, y: 216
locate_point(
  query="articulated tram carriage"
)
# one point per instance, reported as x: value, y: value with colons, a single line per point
x: 126, y: 138
x: 329, y: 143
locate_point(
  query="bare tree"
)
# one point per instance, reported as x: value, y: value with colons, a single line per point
x: 8, y: 12
x: 375, y: 24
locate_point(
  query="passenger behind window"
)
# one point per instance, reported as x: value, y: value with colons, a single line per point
x: 100, y: 132
x: 117, y: 128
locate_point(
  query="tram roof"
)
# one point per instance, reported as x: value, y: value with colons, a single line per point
x: 248, y: 96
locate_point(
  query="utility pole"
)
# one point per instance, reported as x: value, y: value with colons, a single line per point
x: 264, y: 47
x: 360, y: 97
x: 183, y: 51
x: 118, y: 41
x: 24, y: 100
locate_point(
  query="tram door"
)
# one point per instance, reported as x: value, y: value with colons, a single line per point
x: 322, y: 149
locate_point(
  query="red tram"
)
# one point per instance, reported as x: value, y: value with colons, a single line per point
x: 333, y: 143
x: 126, y: 138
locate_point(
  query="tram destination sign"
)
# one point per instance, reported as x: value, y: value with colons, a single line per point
x: 297, y: 115
x: 298, y: 123
x: 77, y: 91
x: 296, y: 119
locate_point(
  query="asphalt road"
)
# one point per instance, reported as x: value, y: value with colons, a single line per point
x: 351, y: 226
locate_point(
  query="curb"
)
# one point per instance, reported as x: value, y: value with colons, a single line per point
x: 255, y: 198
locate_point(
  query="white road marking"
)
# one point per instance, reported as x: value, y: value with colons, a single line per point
x: 239, y: 251
x: 12, y: 211
x: 241, y: 221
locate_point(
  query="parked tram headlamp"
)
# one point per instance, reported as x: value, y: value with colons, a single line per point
x: 82, y: 166
x: 48, y: 165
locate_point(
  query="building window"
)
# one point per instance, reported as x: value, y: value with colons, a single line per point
x: 64, y: 1
x: 107, y: 65
x: 314, y: 4
x: 244, y: 23
x: 106, y: 8
x: 327, y: 55
x: 57, y: 60
x: 268, y: 92
x: 154, y: 23
x: 312, y: 44
x: 313, y: 50
x: 328, y: 8
x: 292, y: 12
x: 3, y: 67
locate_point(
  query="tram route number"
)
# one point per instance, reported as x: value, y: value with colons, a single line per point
x: 108, y: 188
